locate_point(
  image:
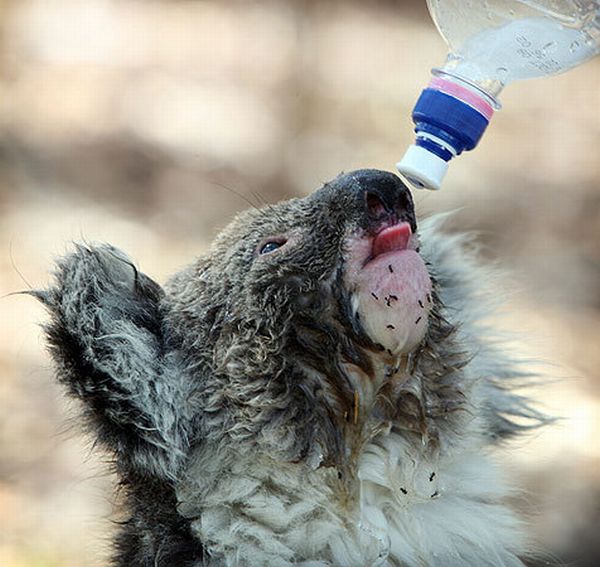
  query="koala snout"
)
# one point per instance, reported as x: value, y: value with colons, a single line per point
x: 381, y: 198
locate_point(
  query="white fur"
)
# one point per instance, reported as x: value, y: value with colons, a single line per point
x: 455, y: 519
x: 265, y: 513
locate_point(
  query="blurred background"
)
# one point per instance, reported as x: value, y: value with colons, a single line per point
x: 148, y: 124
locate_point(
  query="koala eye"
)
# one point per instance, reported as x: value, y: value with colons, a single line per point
x: 271, y: 246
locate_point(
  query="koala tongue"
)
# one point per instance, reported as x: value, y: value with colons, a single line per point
x: 392, y: 238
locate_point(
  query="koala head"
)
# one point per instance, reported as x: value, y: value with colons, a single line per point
x: 347, y: 255
x: 311, y: 298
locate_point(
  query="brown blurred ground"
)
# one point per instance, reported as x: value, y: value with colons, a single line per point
x: 148, y: 124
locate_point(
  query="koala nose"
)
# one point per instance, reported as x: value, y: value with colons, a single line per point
x: 382, y: 197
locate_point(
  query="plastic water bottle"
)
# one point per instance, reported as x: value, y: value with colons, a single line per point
x: 492, y: 43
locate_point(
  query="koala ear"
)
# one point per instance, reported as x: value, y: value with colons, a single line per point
x: 105, y: 303
x: 106, y: 338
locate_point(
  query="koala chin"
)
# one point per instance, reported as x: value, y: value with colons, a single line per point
x: 317, y: 390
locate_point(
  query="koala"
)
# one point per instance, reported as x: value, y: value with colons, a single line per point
x: 319, y: 389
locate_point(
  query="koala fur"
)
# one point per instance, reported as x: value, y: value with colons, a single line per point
x: 254, y: 420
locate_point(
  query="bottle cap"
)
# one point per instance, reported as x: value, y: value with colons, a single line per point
x: 449, y: 119
x: 422, y: 168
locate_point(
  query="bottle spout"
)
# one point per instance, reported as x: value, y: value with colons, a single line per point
x: 449, y: 119
x: 422, y: 168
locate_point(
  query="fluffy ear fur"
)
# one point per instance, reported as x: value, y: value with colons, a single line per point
x: 106, y: 338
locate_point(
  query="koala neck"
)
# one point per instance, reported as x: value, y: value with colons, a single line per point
x: 394, y: 437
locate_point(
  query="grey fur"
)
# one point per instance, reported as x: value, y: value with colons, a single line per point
x: 225, y: 398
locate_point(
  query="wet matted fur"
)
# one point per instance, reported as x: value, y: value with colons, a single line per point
x: 252, y: 418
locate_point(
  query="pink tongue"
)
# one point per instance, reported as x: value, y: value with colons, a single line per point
x: 392, y: 238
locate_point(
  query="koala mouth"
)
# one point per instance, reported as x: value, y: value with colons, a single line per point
x: 390, y: 285
x: 395, y: 238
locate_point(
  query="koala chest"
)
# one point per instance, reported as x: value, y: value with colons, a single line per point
x: 443, y: 511
x: 403, y: 510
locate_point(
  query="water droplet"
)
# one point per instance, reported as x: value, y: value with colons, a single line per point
x: 574, y: 46
x: 501, y: 73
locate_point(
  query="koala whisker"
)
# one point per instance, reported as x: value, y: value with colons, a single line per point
x: 14, y: 265
x: 238, y: 194
x: 40, y: 295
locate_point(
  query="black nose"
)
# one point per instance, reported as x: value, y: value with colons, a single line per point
x: 381, y: 197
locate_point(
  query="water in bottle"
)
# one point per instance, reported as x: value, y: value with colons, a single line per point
x: 492, y: 43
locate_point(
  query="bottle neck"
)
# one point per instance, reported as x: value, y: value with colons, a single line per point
x: 470, y: 91
x: 450, y: 117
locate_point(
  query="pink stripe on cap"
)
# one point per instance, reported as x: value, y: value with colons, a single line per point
x: 464, y: 94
